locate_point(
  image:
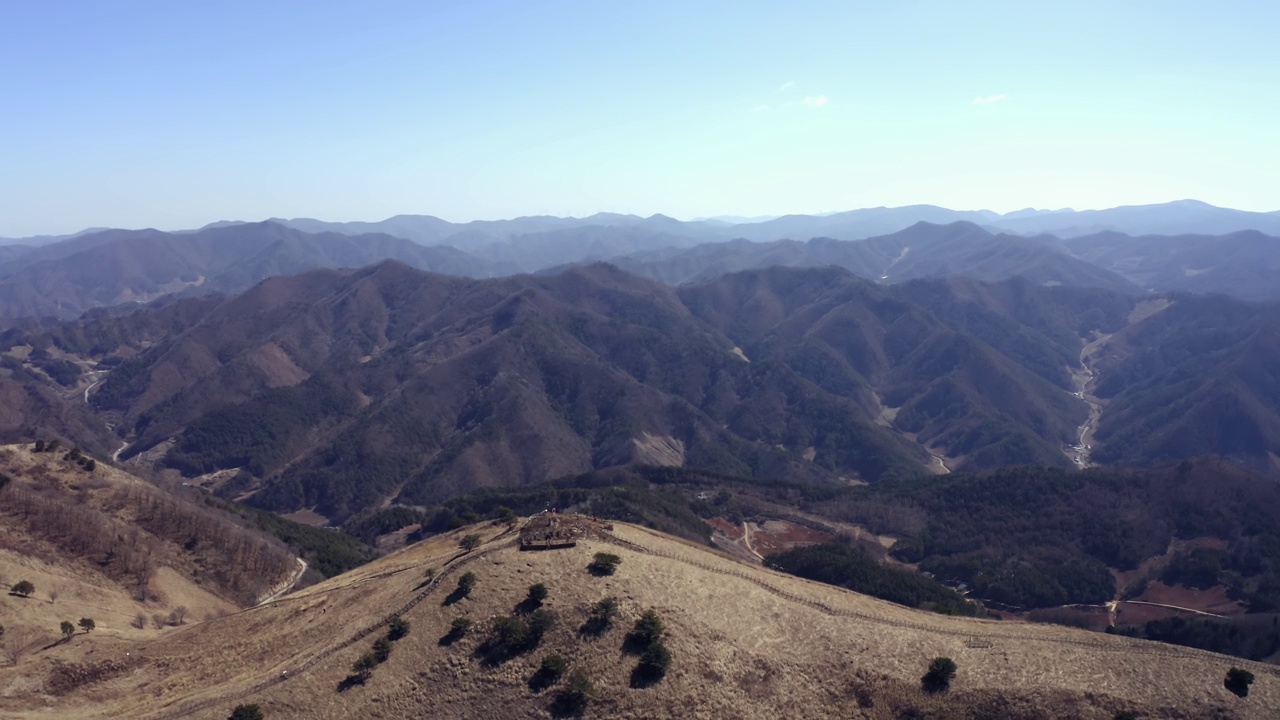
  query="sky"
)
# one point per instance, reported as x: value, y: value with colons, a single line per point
x: 173, y: 114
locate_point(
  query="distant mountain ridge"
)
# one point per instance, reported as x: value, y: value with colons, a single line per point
x: 123, y: 266
x: 101, y: 269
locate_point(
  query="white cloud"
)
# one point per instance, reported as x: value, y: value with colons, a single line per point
x: 787, y: 86
x: 816, y: 100
x: 990, y: 99
x: 760, y: 108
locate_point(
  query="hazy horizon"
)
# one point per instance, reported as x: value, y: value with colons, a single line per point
x: 152, y: 114
x: 704, y: 217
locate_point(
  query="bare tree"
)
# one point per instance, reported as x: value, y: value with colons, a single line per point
x: 19, y: 641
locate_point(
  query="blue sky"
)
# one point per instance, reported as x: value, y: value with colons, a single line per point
x: 172, y: 115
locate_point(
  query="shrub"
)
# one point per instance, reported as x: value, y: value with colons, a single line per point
x: 537, y: 593
x: 600, y: 617
x: 23, y: 588
x: 652, y: 666
x: 381, y: 649
x: 941, y: 672
x: 466, y: 583
x: 548, y: 672
x: 553, y: 666
x: 363, y: 667
x: 648, y: 629
x: 458, y: 630
x: 540, y: 621
x: 398, y: 628
x: 139, y: 621
x: 247, y: 712
x: 1238, y: 681
x: 506, y: 515
x: 469, y: 542
x: 577, y: 693
x: 604, y: 564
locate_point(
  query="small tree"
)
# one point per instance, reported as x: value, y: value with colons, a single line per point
x: 506, y: 515
x: 86, y: 624
x: 604, y: 564
x: 381, y: 649
x: 553, y: 666
x: 457, y: 630
x: 139, y: 621
x: 363, y: 668
x: 607, y: 609
x: 941, y: 672
x: 40, y: 446
x: 466, y: 583
x: 67, y: 629
x: 600, y: 617
x: 577, y: 693
x: 469, y: 542
x: 537, y: 593
x: 652, y: 666
x: 247, y: 712
x: 1238, y: 681
x: 23, y: 588
x: 398, y: 628
x: 540, y: 621
x: 648, y: 629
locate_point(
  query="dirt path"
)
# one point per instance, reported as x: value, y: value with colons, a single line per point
x: 115, y: 456
x: 1173, y: 607
x: 942, y: 464
x: 96, y: 382
x: 287, y: 586
x: 746, y: 540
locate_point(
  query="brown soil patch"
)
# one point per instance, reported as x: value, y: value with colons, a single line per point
x: 778, y: 536
x: 1214, y: 600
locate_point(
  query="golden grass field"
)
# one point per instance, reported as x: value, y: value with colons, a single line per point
x: 747, y: 643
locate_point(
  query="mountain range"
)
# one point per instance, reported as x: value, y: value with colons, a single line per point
x: 341, y: 389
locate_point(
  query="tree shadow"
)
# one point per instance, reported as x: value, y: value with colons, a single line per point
x: 450, y: 638
x: 644, y: 676
x: 567, y: 705
x: 353, y: 680
x: 934, y: 685
x: 1238, y: 688
x: 454, y: 597
x: 542, y: 679
x: 635, y: 644
x: 595, y: 626
x: 527, y: 606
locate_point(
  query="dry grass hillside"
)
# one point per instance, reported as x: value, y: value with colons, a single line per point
x: 103, y: 544
x: 746, y: 642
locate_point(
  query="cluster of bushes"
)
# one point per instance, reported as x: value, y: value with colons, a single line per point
x: 645, y: 639
x: 513, y: 635
x: 73, y: 455
x: 381, y: 651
